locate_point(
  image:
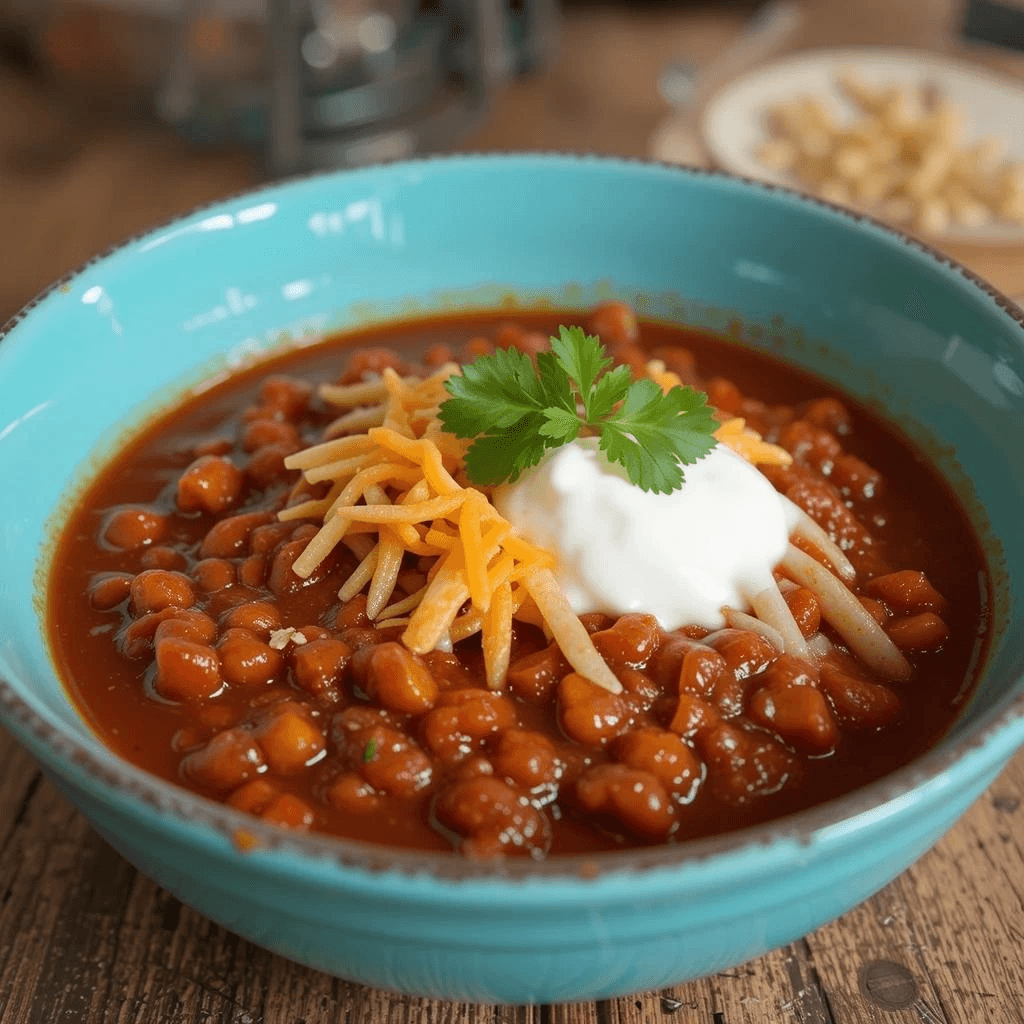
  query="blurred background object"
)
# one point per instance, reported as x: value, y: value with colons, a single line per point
x: 116, y: 114
x: 323, y: 83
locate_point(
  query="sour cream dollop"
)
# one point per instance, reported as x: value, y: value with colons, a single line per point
x: 681, y: 557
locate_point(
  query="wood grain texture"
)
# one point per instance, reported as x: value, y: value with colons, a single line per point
x: 84, y: 939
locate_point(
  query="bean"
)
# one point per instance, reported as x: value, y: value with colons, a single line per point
x: 352, y: 720
x: 187, y: 624
x: 462, y: 719
x: 188, y: 738
x: 391, y: 761
x: 438, y: 355
x: 212, y: 484
x: 590, y: 714
x: 476, y: 347
x: 615, y: 323
x: 230, y: 759
x: 723, y: 394
x: 922, y: 632
x: 215, y: 446
x: 789, y: 670
x: 492, y: 819
x: 594, y: 622
x: 259, y: 617
x: 186, y: 670
x: 906, y: 591
x: 805, y: 608
x: 245, y: 660
x: 640, y: 691
x: 855, y: 478
x: 680, y: 361
x: 357, y: 639
x: 448, y: 671
x: 282, y: 580
x: 635, y: 797
x: 857, y: 703
x: 528, y: 759
x: 213, y: 574
x: 253, y: 796
x: 876, y: 610
x: 131, y: 528
x: 156, y: 589
x: 630, y: 643
x: 252, y: 571
x: 289, y: 811
x: 289, y: 738
x: 136, y: 639
x: 264, y: 539
x: 229, y: 537
x: 289, y: 395
x: 828, y: 413
x: 689, y: 666
x: 729, y: 694
x: 825, y: 505
x: 163, y: 557
x: 745, y: 653
x: 215, y: 716
x: 109, y: 589
x: 532, y: 342
x: 744, y: 766
x: 799, y: 714
x: 260, y: 433
x: 351, y: 794
x: 371, y: 362
x: 318, y: 667
x: 533, y: 676
x: 693, y: 716
x: 266, y: 465
x: 399, y: 681
x: 810, y: 444
x: 352, y: 614
x: 665, y: 756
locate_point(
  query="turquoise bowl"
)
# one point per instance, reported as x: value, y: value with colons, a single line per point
x: 891, y: 321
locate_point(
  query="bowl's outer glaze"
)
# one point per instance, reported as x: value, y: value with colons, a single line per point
x: 903, y: 328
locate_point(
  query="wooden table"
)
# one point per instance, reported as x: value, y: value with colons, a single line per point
x: 85, y: 938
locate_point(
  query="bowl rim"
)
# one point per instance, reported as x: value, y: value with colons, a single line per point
x: 801, y: 829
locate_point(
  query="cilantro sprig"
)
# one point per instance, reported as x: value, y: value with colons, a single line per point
x: 515, y: 411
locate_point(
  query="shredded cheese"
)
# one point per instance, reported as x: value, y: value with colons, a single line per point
x: 397, y: 487
x: 401, y: 478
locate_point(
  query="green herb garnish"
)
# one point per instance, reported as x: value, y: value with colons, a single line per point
x: 369, y: 750
x: 515, y: 412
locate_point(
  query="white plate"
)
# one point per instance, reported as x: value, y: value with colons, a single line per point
x: 733, y: 124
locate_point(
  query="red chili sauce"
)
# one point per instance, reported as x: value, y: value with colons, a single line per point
x: 174, y: 571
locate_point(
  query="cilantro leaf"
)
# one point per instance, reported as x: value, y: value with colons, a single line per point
x: 653, y: 433
x: 515, y: 409
x: 492, y: 393
x: 495, y: 458
x: 555, y: 382
x: 562, y: 425
x: 610, y: 390
x: 583, y: 358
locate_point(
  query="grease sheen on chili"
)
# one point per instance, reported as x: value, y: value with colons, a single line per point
x: 173, y: 571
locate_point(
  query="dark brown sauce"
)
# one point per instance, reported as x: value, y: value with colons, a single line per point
x: 923, y: 527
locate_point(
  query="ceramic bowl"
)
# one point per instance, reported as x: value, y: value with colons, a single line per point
x: 892, y: 322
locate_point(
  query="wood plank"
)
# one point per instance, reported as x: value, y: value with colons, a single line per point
x: 953, y: 925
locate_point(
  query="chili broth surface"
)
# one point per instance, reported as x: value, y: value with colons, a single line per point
x: 912, y: 516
